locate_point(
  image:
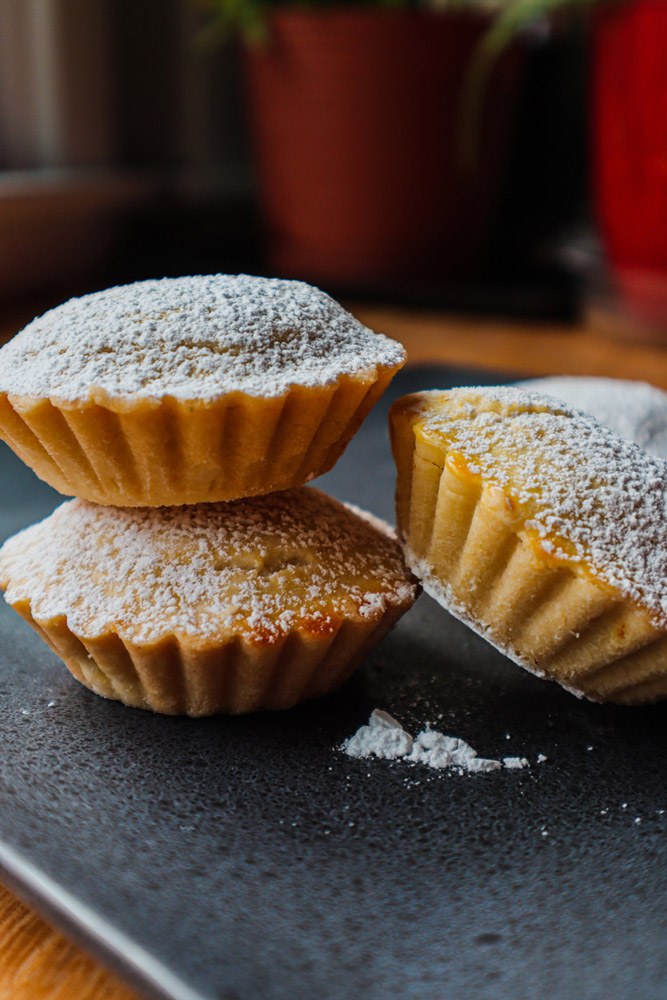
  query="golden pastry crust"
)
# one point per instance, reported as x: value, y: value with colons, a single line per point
x: 190, y: 390
x: 145, y: 454
x: 542, y: 530
x: 257, y: 604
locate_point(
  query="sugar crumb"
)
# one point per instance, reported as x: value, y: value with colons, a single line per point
x: 384, y: 737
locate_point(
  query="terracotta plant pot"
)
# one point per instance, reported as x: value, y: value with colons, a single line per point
x: 355, y: 117
x: 629, y: 88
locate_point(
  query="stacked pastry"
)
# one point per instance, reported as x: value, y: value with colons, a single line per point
x: 195, y: 573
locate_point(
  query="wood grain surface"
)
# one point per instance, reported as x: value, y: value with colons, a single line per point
x: 36, y: 961
x: 527, y: 348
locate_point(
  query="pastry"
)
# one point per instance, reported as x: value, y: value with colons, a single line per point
x: 542, y: 530
x: 190, y: 390
x: 229, y: 607
x: 635, y: 410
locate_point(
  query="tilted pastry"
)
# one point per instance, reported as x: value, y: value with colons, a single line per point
x: 228, y: 607
x: 542, y: 530
x: 188, y: 390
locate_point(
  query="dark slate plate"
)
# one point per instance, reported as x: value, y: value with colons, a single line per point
x: 246, y: 858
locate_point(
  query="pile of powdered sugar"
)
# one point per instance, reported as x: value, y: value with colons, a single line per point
x: 257, y: 567
x: 635, y: 410
x: 192, y: 338
x: 385, y: 737
x: 590, y: 496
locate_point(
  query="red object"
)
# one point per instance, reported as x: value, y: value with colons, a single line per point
x: 630, y: 149
x: 355, y: 116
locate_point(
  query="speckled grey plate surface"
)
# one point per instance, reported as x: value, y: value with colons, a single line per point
x: 247, y: 858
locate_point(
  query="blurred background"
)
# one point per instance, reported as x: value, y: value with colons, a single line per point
x: 504, y: 159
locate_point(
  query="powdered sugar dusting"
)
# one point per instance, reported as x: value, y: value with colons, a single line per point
x: 635, y: 410
x: 386, y: 738
x: 192, y: 338
x: 590, y: 496
x: 437, y: 750
x: 383, y: 737
x: 257, y: 567
x: 516, y: 763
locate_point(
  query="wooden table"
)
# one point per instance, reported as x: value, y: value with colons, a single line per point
x: 38, y: 963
